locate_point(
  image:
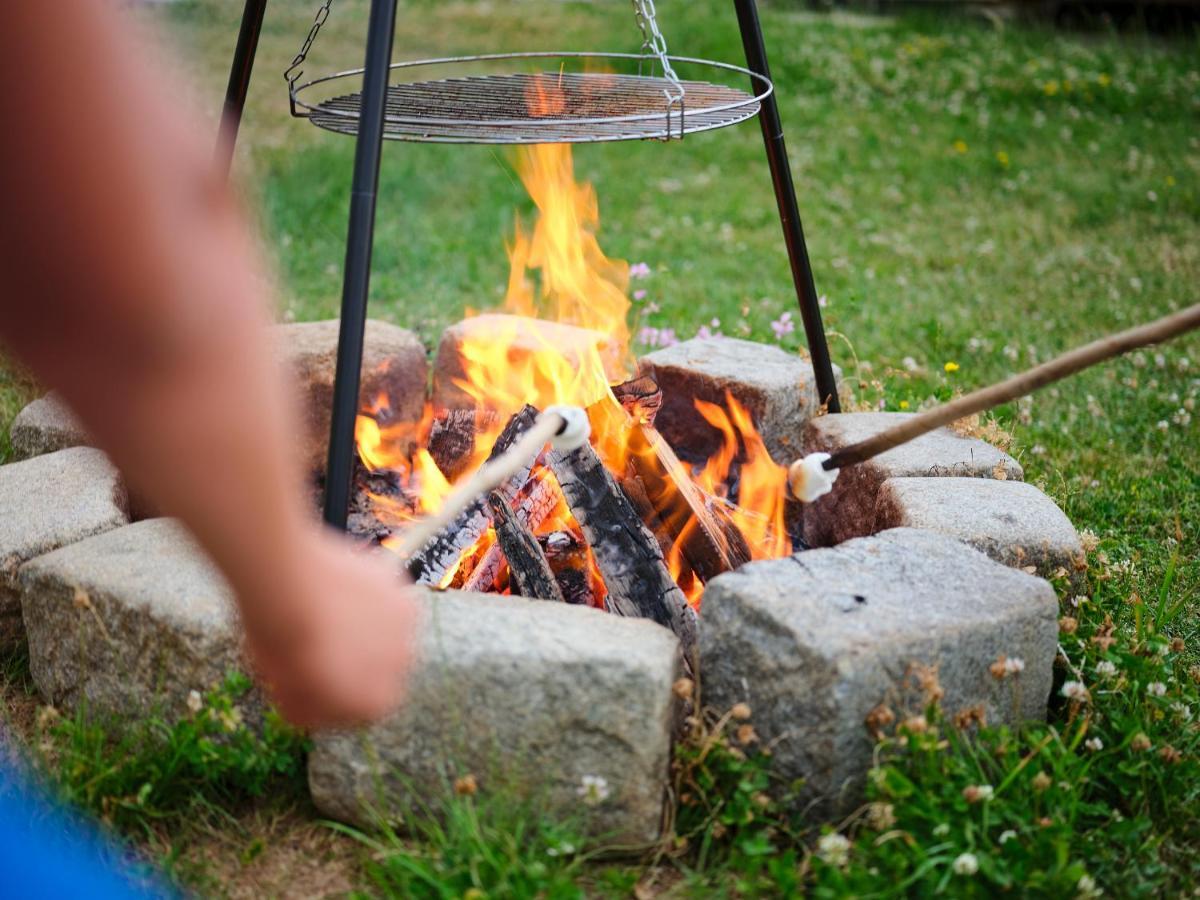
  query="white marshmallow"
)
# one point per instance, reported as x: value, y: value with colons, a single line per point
x: 808, y: 480
x: 576, y: 427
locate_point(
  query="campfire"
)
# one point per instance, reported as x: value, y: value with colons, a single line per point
x: 626, y: 523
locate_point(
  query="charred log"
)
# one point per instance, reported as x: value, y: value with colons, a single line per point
x: 530, y: 572
x: 710, y: 542
x: 533, y: 505
x: 430, y: 564
x: 627, y: 554
x: 452, y: 438
x: 568, y: 559
x: 640, y: 397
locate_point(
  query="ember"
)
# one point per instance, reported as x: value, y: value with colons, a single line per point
x: 621, y: 524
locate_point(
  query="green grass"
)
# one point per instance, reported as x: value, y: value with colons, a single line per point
x: 974, y: 195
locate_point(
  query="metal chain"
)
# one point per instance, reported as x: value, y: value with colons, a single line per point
x: 654, y: 42
x: 293, y: 72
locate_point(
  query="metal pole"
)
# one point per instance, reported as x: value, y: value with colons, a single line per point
x: 339, y: 473
x: 789, y: 215
x: 239, y: 81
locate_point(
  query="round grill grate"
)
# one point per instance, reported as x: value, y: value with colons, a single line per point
x: 555, y: 107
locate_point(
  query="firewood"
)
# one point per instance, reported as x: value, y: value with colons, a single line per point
x: 710, y: 541
x: 534, y: 503
x: 452, y: 437
x: 640, y: 397
x: 530, y: 571
x: 568, y: 559
x: 628, y: 556
x: 430, y: 564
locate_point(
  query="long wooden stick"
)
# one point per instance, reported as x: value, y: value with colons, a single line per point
x: 1018, y: 386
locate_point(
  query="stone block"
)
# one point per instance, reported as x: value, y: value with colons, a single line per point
x: 130, y: 622
x: 529, y: 697
x: 776, y: 387
x: 394, y: 366
x: 48, y: 502
x: 45, y: 425
x: 815, y: 642
x: 572, y: 350
x: 849, y: 511
x: 1012, y: 522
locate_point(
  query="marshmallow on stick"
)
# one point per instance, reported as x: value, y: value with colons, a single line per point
x: 813, y: 476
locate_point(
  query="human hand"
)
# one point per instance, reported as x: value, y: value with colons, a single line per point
x: 338, y: 645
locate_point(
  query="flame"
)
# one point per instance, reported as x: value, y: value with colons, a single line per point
x: 762, y: 483
x: 559, y: 276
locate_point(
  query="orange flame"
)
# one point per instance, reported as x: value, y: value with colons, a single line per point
x: 559, y: 276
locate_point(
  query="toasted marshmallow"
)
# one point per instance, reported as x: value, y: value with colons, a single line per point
x: 808, y: 479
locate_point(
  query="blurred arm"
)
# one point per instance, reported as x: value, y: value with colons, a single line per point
x: 130, y: 284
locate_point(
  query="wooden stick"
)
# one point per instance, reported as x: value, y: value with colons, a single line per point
x: 1018, y: 386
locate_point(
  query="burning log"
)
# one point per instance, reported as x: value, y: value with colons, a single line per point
x: 452, y: 438
x: 568, y: 559
x: 710, y: 542
x: 667, y: 499
x: 430, y: 564
x: 640, y: 397
x: 530, y: 570
x: 536, y: 501
x: 627, y: 554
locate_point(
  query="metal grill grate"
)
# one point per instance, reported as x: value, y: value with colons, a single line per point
x: 558, y: 107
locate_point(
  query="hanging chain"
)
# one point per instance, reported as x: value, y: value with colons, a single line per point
x: 653, y: 42
x: 294, y: 71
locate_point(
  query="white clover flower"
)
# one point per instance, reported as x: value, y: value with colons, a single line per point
x: 1156, y: 689
x: 965, y: 864
x: 941, y: 830
x: 1094, y: 744
x: 1075, y: 690
x: 195, y: 702
x: 1006, y: 836
x: 593, y: 789
x: 1087, y: 889
x: 1014, y: 665
x: 834, y: 849
x: 1182, y: 711
x: 1106, y: 669
x: 1162, y: 425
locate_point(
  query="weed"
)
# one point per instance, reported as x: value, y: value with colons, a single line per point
x: 153, y: 773
x: 474, y: 846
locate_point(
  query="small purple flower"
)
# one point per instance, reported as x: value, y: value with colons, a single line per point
x: 639, y: 294
x: 652, y: 307
x: 639, y: 270
x: 648, y: 336
x: 703, y: 333
x: 822, y: 301
x: 783, y: 325
x: 711, y: 330
x: 715, y: 323
x: 666, y: 337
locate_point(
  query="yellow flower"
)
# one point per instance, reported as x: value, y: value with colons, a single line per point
x: 951, y: 367
x: 960, y: 146
x: 1002, y: 158
x: 904, y: 404
x: 1103, y: 79
x: 1170, y: 181
x: 1050, y: 88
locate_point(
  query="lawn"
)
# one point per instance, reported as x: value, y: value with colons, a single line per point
x: 977, y: 198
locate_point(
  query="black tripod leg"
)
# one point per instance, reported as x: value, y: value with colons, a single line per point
x: 368, y: 153
x: 239, y: 81
x: 789, y: 215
